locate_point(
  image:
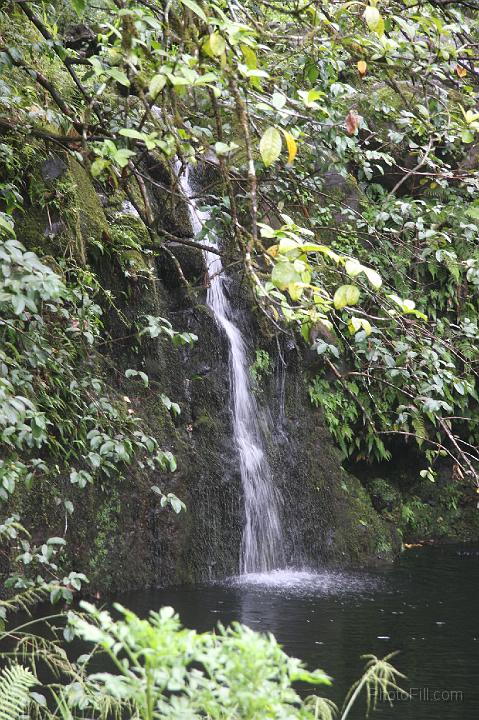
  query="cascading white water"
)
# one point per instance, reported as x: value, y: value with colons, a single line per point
x: 262, y: 547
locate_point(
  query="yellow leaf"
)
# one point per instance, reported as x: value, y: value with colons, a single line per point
x: 362, y: 67
x: 249, y: 57
x: 461, y: 71
x: 295, y: 290
x: 291, y: 145
x: 206, y: 47
x: 354, y: 325
x: 346, y: 295
x: 273, y: 250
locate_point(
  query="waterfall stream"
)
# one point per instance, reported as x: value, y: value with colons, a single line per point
x: 262, y: 547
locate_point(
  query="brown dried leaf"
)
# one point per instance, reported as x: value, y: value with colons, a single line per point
x: 352, y: 122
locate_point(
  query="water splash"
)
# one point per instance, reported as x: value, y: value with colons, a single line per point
x: 262, y: 547
x: 304, y: 582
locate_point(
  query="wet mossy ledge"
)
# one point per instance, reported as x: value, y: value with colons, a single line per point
x: 119, y: 534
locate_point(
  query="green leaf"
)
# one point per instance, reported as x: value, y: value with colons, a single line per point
x: 467, y: 136
x: 373, y: 277
x: 131, y: 133
x: 278, y: 100
x: 249, y: 57
x: 119, y: 76
x: 353, y: 267
x: 270, y: 146
x: 178, y: 80
x: 473, y: 212
x: 284, y: 274
x: 137, y: 373
x: 217, y: 44
x: 79, y: 6
x: 222, y: 148
x: 122, y: 156
x: 194, y: 7
x: 6, y: 224
x: 346, y: 295
x: 372, y: 17
x: 317, y: 677
x: 98, y: 166
x: 157, y: 83
x: 295, y: 290
x: 355, y: 324
x: 56, y: 595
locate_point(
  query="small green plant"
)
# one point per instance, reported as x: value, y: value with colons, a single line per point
x: 158, y: 669
x: 15, y: 684
x: 379, y: 678
x: 262, y: 366
x: 408, y: 515
x: 450, y: 496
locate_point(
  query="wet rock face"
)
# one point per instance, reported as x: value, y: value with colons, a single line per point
x: 327, y: 514
x: 121, y: 537
x: 53, y: 168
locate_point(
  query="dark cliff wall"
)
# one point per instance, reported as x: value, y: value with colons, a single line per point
x: 119, y: 535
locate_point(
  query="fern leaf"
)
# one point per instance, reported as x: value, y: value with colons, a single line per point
x: 15, y: 684
x: 24, y: 600
x: 420, y: 429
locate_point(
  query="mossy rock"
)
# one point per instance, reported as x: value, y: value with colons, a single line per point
x: 362, y: 534
x: 129, y: 240
x: 64, y: 214
x: 386, y: 498
x: 134, y: 227
x: 434, y: 511
x: 92, y: 222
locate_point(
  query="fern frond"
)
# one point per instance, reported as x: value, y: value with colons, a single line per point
x: 419, y: 429
x: 25, y: 600
x: 15, y: 684
x: 323, y: 708
x: 450, y: 261
x: 436, y: 191
x: 466, y: 348
x: 35, y: 650
x: 378, y: 679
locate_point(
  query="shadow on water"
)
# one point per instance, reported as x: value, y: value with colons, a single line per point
x: 425, y: 606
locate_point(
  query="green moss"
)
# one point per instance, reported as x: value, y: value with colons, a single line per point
x: 434, y: 512
x: 107, y: 524
x: 90, y: 217
x: 205, y: 421
x: 362, y: 532
x: 63, y: 215
x: 133, y: 227
x: 386, y: 499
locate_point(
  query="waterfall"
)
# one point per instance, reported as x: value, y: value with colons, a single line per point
x: 262, y: 547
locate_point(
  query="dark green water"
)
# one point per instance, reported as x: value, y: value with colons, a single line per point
x: 426, y: 606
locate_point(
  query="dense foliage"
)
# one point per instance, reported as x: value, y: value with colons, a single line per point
x: 345, y: 139
x: 357, y: 121
x: 155, y: 668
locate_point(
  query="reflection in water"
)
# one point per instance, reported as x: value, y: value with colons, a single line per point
x: 425, y: 606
